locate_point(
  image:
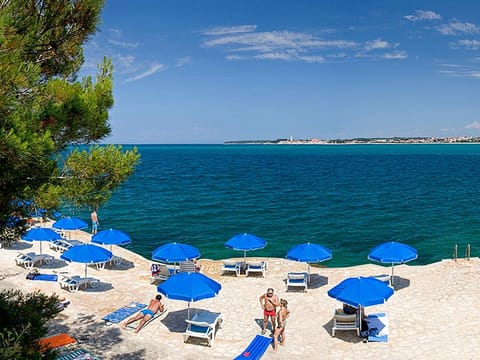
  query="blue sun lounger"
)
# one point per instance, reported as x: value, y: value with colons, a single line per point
x: 256, y: 348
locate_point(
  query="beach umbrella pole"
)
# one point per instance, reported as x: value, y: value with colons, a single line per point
x: 391, y: 279
x: 308, y: 275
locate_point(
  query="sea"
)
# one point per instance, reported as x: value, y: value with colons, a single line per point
x: 349, y: 198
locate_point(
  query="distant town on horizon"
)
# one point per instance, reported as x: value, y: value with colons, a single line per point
x: 364, y: 140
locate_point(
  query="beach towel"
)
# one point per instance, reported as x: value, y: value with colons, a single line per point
x: 79, y: 354
x: 43, y: 277
x: 377, y: 327
x: 256, y: 348
x: 123, y: 313
x: 55, y: 341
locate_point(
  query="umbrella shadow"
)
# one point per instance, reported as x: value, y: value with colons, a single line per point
x: 347, y: 336
x: 400, y: 283
x: 101, y: 287
x: 317, y: 281
x: 55, y: 264
x: 175, y: 320
x: 124, y: 265
x: 259, y: 322
x: 19, y: 245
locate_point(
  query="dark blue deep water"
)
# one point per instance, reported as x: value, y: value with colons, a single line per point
x: 349, y: 198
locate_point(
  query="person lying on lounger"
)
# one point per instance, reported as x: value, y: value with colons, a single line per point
x: 146, y: 314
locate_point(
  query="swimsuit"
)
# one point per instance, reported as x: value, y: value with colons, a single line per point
x: 272, y: 312
x: 148, y: 312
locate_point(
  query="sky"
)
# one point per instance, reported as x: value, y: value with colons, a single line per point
x: 204, y: 71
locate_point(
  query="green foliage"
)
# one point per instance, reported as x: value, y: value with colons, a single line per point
x: 43, y: 108
x: 23, y: 320
x: 91, y: 176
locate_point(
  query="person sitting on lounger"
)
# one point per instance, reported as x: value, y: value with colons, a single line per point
x: 146, y: 314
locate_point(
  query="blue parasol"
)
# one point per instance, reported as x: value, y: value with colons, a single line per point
x: 361, y: 291
x: 245, y: 242
x: 309, y: 253
x: 393, y: 253
x: 175, y: 252
x: 111, y: 237
x: 41, y: 234
x: 70, y: 223
x: 86, y: 254
x: 190, y: 287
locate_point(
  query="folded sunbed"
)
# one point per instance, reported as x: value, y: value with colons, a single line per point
x: 122, y: 313
x: 256, y: 348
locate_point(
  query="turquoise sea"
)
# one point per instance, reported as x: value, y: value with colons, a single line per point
x: 349, y: 198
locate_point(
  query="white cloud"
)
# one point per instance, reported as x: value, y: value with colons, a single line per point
x: 187, y: 60
x: 396, y: 55
x: 125, y: 61
x: 234, y: 57
x: 473, y: 125
x: 309, y: 47
x: 275, y: 56
x: 466, y: 44
x: 459, y: 71
x: 123, y: 44
x: 457, y: 28
x: 271, y: 45
x: 313, y: 59
x: 423, y: 15
x: 376, y: 44
x: 154, y: 68
x: 224, y: 30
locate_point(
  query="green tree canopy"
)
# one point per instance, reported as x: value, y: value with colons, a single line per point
x: 91, y: 176
x: 44, y: 108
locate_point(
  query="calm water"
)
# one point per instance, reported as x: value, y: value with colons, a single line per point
x: 349, y: 198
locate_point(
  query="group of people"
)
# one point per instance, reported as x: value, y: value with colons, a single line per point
x: 269, y: 303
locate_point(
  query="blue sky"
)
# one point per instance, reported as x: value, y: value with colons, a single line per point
x: 212, y: 71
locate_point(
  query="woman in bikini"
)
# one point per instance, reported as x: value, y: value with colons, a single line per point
x: 282, y: 322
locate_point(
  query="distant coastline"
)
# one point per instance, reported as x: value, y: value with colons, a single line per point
x: 391, y: 140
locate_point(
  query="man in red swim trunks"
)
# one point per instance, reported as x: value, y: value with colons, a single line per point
x: 269, y: 303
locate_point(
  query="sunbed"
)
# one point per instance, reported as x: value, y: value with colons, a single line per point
x: 258, y: 267
x: 343, y: 321
x: 256, y: 348
x: 122, y: 313
x: 160, y: 272
x: 203, y: 325
x: 377, y: 327
x: 187, y: 266
x: 156, y: 316
x: 297, y: 280
x: 74, y: 283
x: 231, y: 267
x: 29, y: 260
